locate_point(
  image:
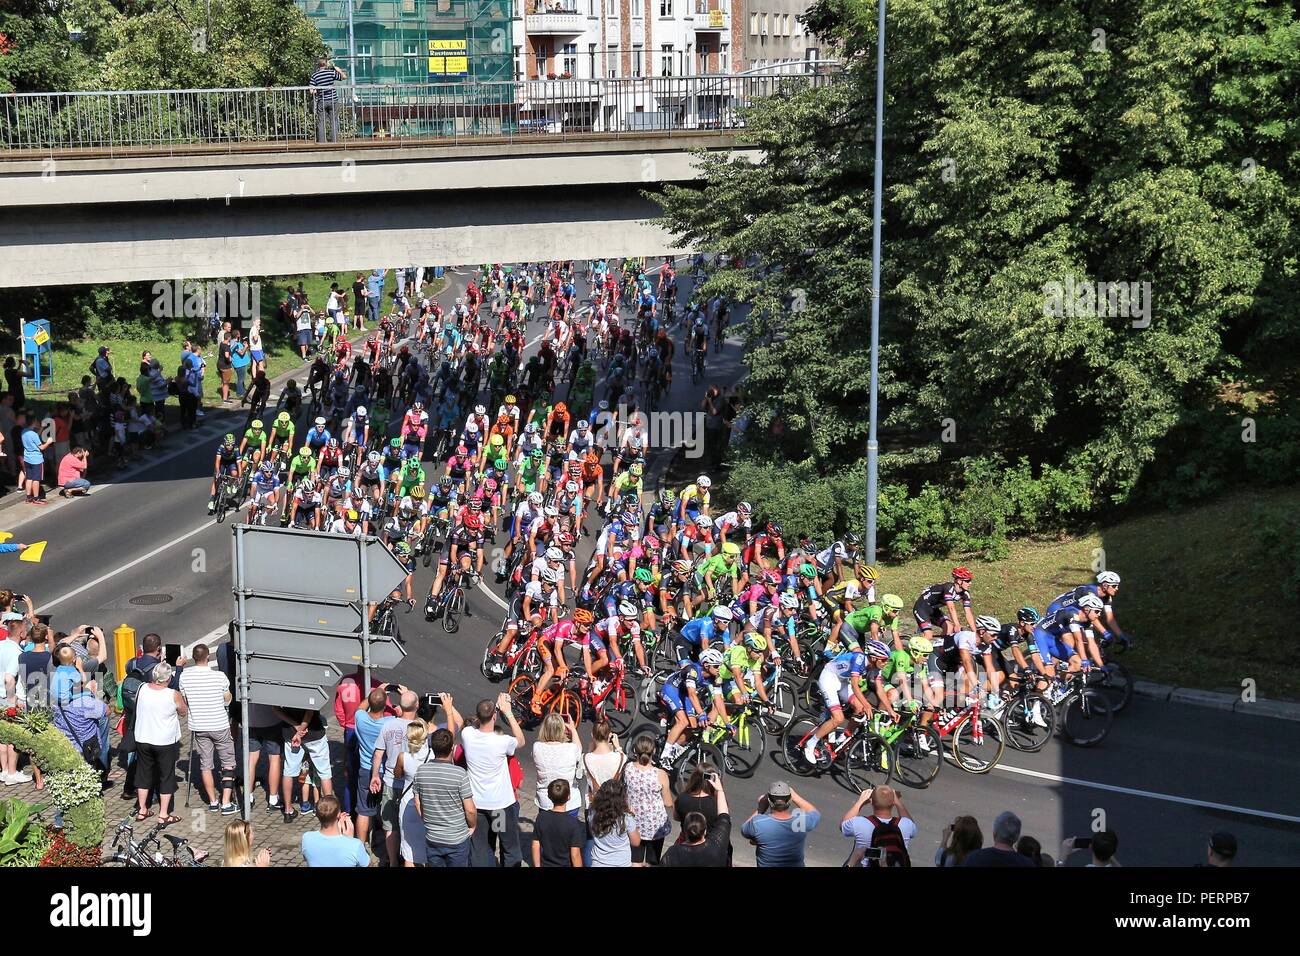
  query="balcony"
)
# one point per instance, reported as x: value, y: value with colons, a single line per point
x: 711, y: 21
x: 554, y: 19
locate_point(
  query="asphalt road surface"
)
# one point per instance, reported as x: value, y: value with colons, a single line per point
x: 143, y: 552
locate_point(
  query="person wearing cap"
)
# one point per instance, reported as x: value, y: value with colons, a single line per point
x: 779, y: 827
x: 1222, y: 849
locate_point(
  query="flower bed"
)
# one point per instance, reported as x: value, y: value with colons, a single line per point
x: 73, y: 784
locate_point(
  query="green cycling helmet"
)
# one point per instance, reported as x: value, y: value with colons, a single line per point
x: 229, y: 439
x: 395, y: 443
x: 892, y: 602
x: 500, y: 464
x: 807, y: 571
x: 644, y: 575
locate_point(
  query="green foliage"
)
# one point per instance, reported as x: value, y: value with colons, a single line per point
x: 66, y: 776
x: 1025, y: 153
x: 1277, y: 529
x: 23, y: 839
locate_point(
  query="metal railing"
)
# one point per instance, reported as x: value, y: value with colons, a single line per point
x: 153, y: 121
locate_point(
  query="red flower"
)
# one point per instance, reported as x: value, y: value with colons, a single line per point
x: 11, y: 712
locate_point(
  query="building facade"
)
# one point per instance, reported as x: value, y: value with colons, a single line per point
x: 772, y: 35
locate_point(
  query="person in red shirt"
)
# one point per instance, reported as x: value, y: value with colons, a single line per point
x: 72, y: 468
x: 348, y: 697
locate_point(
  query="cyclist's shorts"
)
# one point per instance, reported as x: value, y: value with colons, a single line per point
x: 831, y: 685
x: 850, y: 636
x: 934, y: 669
x: 1050, y: 647
x: 672, y: 700
x: 729, y: 686
x: 927, y: 618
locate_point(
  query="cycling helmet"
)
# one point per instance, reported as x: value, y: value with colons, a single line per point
x: 920, y: 646
x: 306, y: 486
x: 877, y: 649
x: 480, y: 410
x: 535, y: 498
x: 551, y: 576
x: 560, y: 408
x: 644, y: 575
x: 374, y: 458
x: 282, y: 417
x: 305, y: 451
x: 627, y: 609
x: 445, y: 482
x: 361, y: 411
x: 666, y: 497
x: 583, y: 425
x: 635, y: 470
x: 1090, y: 602
x: 551, y: 512
x: 496, y: 441
x: 352, y: 515
x: 650, y: 542
x: 417, y: 405
x: 627, y: 517
x: 867, y: 572
x: 500, y: 464
x: 712, y: 657
x: 987, y: 622
x: 1027, y: 615
x: 571, y: 487
x: 772, y: 577
x: 471, y: 429
x: 849, y: 538
x: 582, y: 616
x: 333, y: 443
x: 267, y: 468
x: 228, y: 440
x: 790, y: 600
x: 417, y: 492
x: 510, y: 400
x: 962, y: 573
x: 681, y: 566
x: 256, y: 425
x: 774, y: 529
x: 891, y: 602
x: 704, y: 521
x: 743, y: 508
x: 1108, y: 577
x: 554, y: 554
x: 723, y: 613
x: 565, y: 540
x: 475, y: 504
x: 320, y: 422
x: 344, y: 472
x: 461, y: 450
x: 530, y: 428
x: 755, y: 641
x: 703, y: 483
x: 807, y: 570
x: 537, y: 454
x: 403, y: 549
x: 395, y: 443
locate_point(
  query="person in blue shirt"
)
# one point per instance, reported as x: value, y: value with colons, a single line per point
x: 33, y: 459
x: 12, y: 548
x: 375, y: 296
x: 317, y: 436
x: 333, y: 844
x: 780, y: 826
x: 369, y: 724
x: 698, y: 633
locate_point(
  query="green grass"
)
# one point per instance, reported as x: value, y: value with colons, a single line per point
x: 72, y: 359
x: 1207, y: 599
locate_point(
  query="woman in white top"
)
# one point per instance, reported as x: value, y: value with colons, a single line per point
x: 604, y: 761
x: 413, y: 848
x: 157, y: 730
x: 255, y: 346
x: 557, y: 755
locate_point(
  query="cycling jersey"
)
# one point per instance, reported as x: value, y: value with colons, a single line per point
x: 740, y: 657
x: 1070, y: 599
x: 701, y: 629
x: 932, y: 603
x: 898, y: 665
x: 255, y: 437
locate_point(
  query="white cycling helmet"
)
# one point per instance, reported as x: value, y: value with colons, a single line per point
x: 627, y: 609
x: 789, y: 600
x: 703, y: 482
x: 374, y: 458
x: 987, y: 622
x: 535, y: 498
x: 704, y: 521
x: 471, y: 429
x: 583, y: 425
x: 480, y: 410
x: 551, y: 576
x: 344, y: 472
x: 320, y: 422
x: 361, y: 411
x: 552, y: 512
x: 554, y: 554
x: 571, y: 487
x: 723, y: 613
x: 1090, y: 602
x: 744, y: 508
x: 1108, y: 577
x: 711, y: 658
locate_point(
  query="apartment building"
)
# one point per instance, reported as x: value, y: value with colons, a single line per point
x: 773, y: 36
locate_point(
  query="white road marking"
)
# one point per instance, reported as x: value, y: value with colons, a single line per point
x: 126, y: 567
x: 484, y: 588
x: 1169, y: 798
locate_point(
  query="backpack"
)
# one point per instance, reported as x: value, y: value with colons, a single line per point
x: 128, y: 692
x: 888, y: 838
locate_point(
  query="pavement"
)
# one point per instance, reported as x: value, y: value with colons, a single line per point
x: 142, y: 552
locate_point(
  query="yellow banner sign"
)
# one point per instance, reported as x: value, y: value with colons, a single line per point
x: 716, y: 18
x: 41, y: 337
x: 448, y: 58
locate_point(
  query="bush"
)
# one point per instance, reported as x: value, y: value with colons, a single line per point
x: 69, y: 775
x: 23, y: 839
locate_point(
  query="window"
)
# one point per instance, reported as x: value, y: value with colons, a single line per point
x: 591, y: 61
x: 762, y: 23
x: 753, y: 24
x: 665, y: 8
x: 724, y: 57
x: 408, y: 8
x: 518, y: 61
x: 571, y: 59
x: 411, y: 59
x: 785, y: 23
x: 611, y: 56
x: 365, y: 63
x: 703, y: 52
x: 543, y: 61
x: 666, y: 60
x: 636, y: 59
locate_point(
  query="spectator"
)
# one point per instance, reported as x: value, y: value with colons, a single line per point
x: 158, y: 710
x: 303, y: 331
x: 358, y: 300
x: 14, y: 381
x: 556, y: 756
x: 34, y: 669
x: 374, y: 296
x: 1222, y: 849
x: 369, y: 723
x: 649, y: 798
x: 326, y: 100
x: 255, y: 350
x: 62, y: 420
x: 142, y: 386
x: 605, y: 759
x: 412, y: 842
x: 225, y: 370
x: 102, y: 369
x: 10, y: 652
x: 1032, y: 850
x: 1103, y: 845
x: 333, y: 844
x: 558, y: 836
x: 189, y: 385
x: 486, y: 759
x: 389, y: 748
x: 1006, y: 831
x: 777, y: 831
x: 445, y: 801
x: 239, y: 846
x: 207, y: 693
x: 304, y: 736
x: 8, y: 463
x: 240, y: 360
x: 888, y: 830
x: 79, y: 712
x: 347, y: 698
x: 72, y: 473
x: 158, y: 390
x: 612, y: 826
x: 33, y: 459
x: 704, y: 842
x: 961, y: 838
x: 266, y: 737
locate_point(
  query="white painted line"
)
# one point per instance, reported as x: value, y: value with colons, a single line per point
x: 1169, y: 798
x: 126, y: 567
x: 482, y: 586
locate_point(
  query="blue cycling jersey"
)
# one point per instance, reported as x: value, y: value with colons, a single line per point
x: 847, y: 664
x: 1070, y: 599
x: 699, y: 628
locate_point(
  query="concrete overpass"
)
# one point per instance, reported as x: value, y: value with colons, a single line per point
x: 278, y: 211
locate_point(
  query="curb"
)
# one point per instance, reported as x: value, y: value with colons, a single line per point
x: 1273, y: 709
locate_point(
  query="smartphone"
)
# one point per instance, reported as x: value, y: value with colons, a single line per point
x: 1082, y: 843
x: 171, y: 653
x: 394, y: 696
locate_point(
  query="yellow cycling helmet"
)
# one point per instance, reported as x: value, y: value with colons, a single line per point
x: 867, y: 572
x: 892, y: 602
x: 496, y: 440
x: 510, y: 399
x: 282, y: 417
x: 256, y: 425
x: 417, y: 492
x: 305, y: 451
x: 352, y: 515
x: 731, y: 548
x: 920, y: 646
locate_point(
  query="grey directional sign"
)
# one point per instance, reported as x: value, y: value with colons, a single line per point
x: 299, y: 613
x: 316, y: 564
x: 300, y: 645
x: 295, y: 672
x: 297, y: 696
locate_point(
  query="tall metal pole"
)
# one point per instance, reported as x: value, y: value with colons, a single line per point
x: 872, y: 445
x: 241, y: 649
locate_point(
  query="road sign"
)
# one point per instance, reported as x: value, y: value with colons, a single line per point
x: 298, y: 696
x: 316, y: 564
x: 301, y: 645
x: 294, y: 672
x: 298, y: 613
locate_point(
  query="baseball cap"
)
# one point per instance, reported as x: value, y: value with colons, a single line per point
x: 778, y: 788
x: 8, y: 616
x: 1224, y: 844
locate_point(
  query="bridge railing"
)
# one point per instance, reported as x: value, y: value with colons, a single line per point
x: 148, y: 121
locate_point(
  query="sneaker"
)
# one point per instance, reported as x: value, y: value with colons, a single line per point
x: 38, y: 501
x: 810, y: 750
x: 18, y: 777
x: 305, y: 806
x: 212, y: 507
x: 214, y: 808
x: 923, y: 743
x: 1036, y: 715
x: 273, y: 807
x: 229, y: 809
x: 199, y: 415
x: 290, y: 814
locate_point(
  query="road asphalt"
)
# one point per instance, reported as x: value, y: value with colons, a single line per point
x: 143, y: 552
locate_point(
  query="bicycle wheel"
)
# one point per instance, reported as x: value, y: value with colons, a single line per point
x: 811, y: 698
x: 569, y: 705
x: 978, y: 756
x: 664, y: 659
x: 1085, y: 718
x: 619, y: 708
x: 866, y: 761
x: 427, y: 547
x: 455, y: 607
x: 521, y: 699
x: 1118, y: 686
x: 918, y: 756
x: 792, y: 746
x: 489, y: 651
x: 697, y: 752
x: 1029, y: 722
x: 742, y: 750
x: 647, y: 699
x: 785, y: 708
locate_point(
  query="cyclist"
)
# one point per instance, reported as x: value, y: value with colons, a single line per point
x: 693, y: 500
x: 1072, y: 631
x: 306, y: 505
x: 225, y: 465
x: 465, y: 543
x: 735, y: 523
x: 317, y: 436
x: 1105, y: 589
x: 936, y: 607
x: 254, y: 441
x: 535, y: 603
x: 742, y: 672
x: 765, y: 546
x: 697, y: 634
x: 689, y: 694
x: 839, y: 686
x: 356, y: 434
x: 957, y: 654
x: 331, y: 458
x: 834, y: 562
x: 281, y: 438
x: 266, y: 492
x: 896, y: 676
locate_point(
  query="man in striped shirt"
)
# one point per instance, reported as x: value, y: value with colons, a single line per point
x: 326, y: 97
x: 207, y: 692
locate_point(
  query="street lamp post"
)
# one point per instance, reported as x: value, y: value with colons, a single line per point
x: 872, y: 445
